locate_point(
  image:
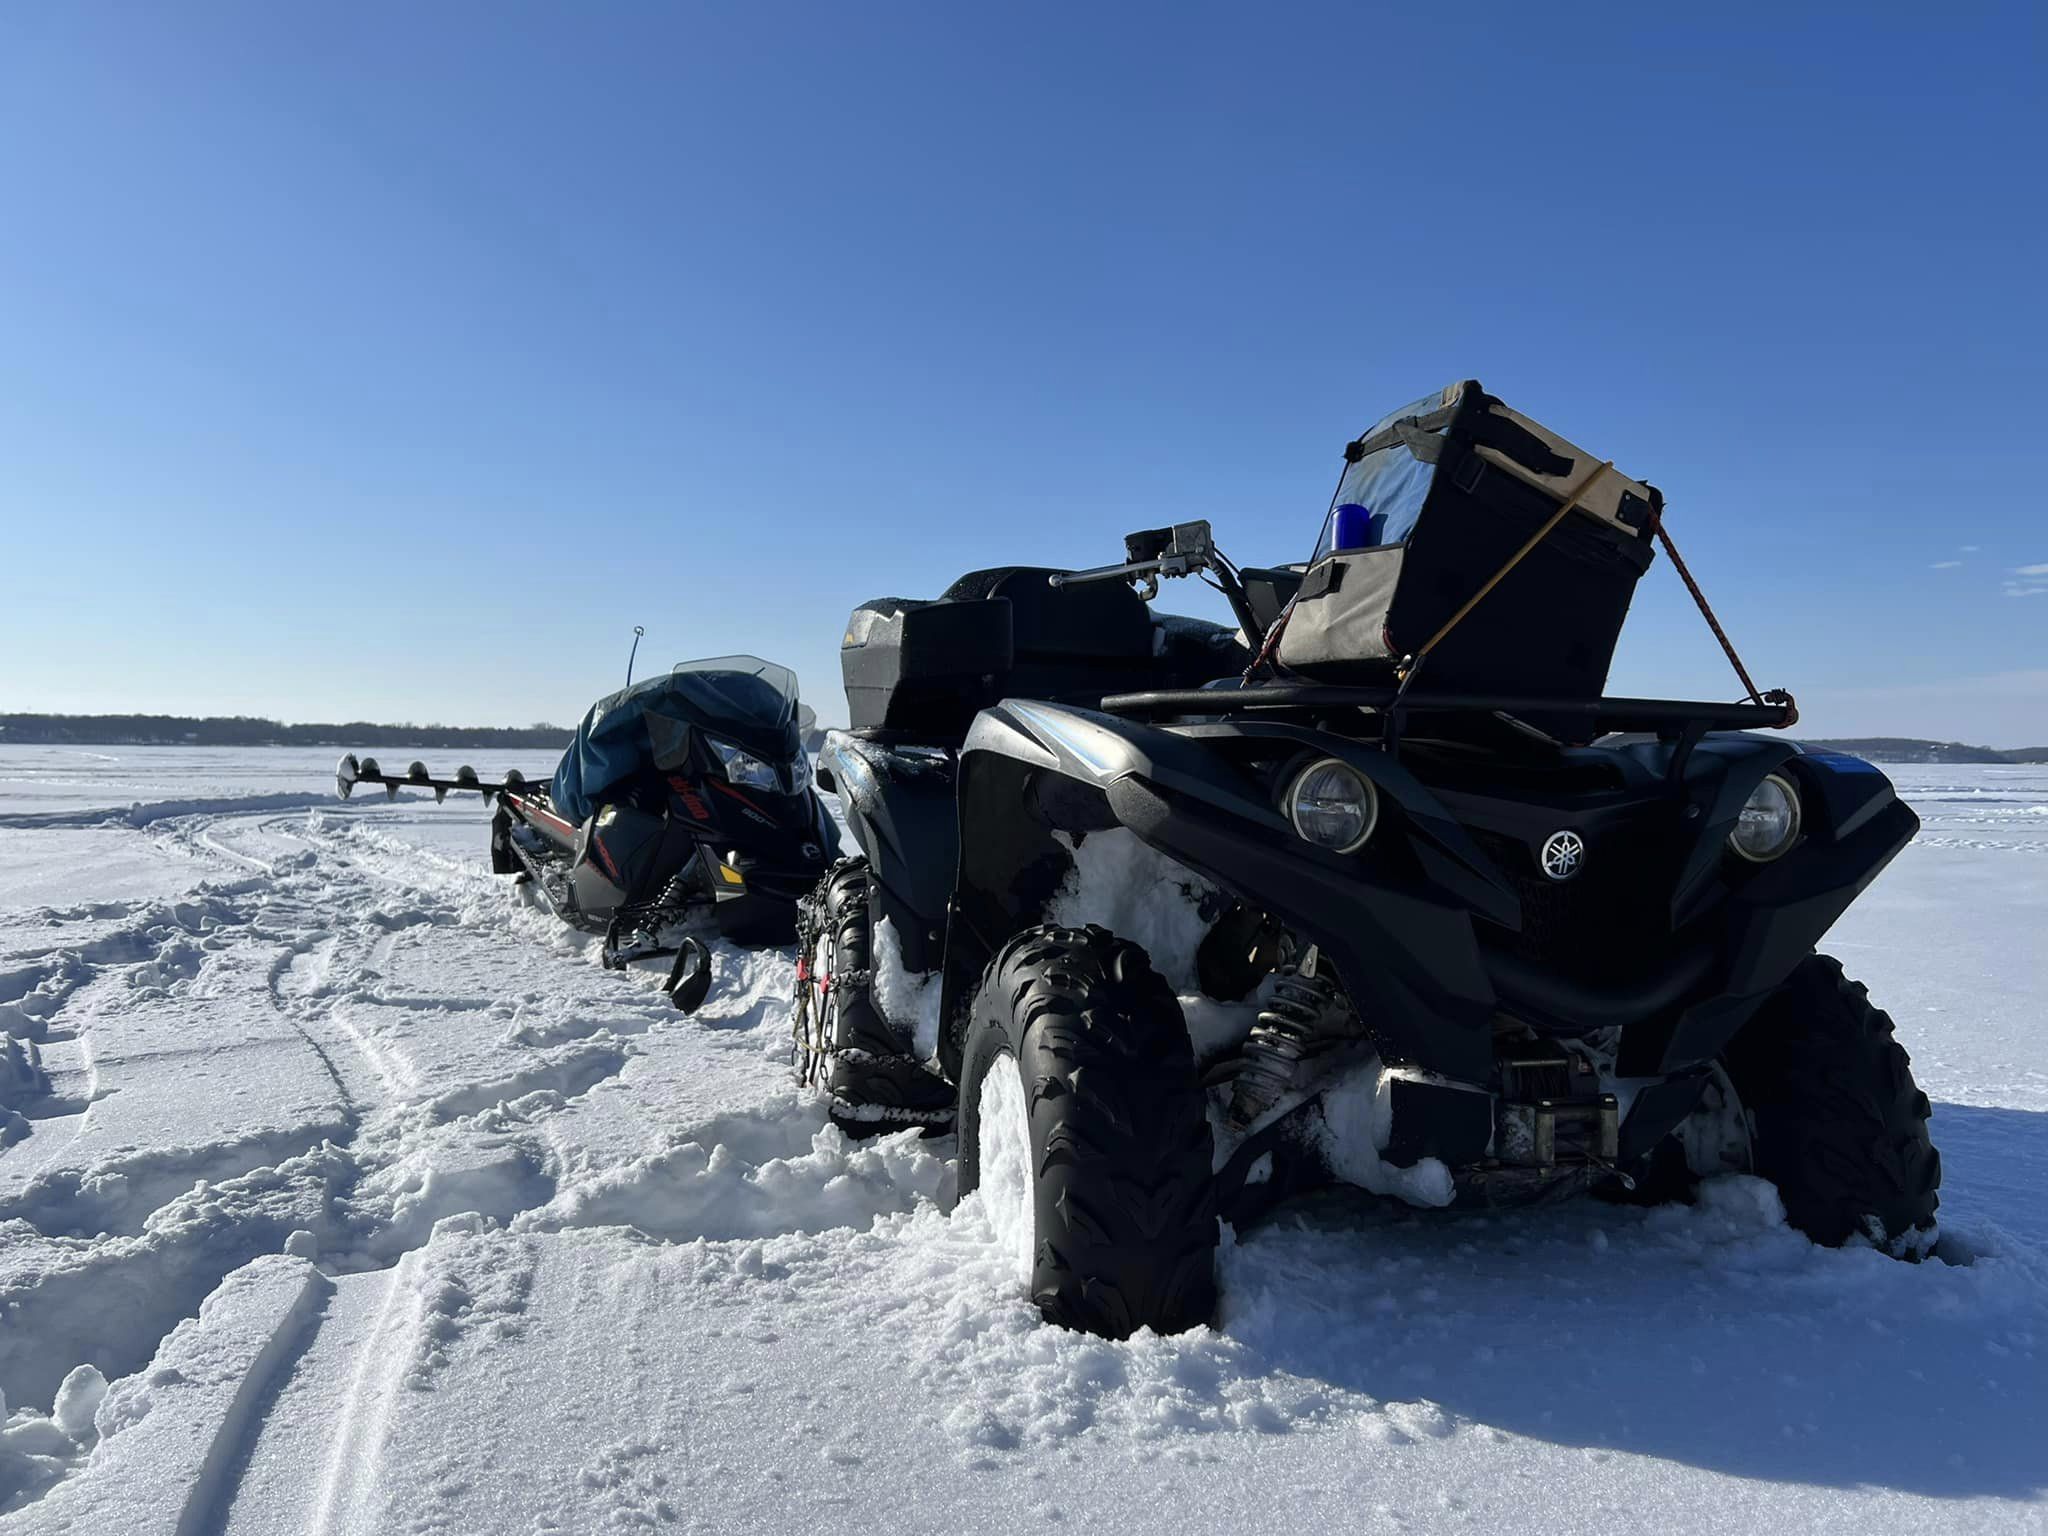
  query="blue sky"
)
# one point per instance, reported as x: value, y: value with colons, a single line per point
x: 394, y: 361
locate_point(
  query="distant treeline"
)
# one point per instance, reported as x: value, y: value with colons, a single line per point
x: 1910, y: 749
x: 247, y: 731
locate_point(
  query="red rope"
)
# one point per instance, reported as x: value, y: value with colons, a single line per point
x: 1269, y: 645
x: 1776, y: 695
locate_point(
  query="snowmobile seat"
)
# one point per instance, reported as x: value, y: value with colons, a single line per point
x: 926, y: 668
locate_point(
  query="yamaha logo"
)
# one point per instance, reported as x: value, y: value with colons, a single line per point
x: 1564, y: 855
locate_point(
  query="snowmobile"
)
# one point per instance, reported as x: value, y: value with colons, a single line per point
x: 1378, y: 890
x: 687, y: 793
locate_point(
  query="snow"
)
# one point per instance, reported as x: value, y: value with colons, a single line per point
x: 373, y: 1203
x: 1358, y: 1122
x: 164, y: 1442
x: 904, y: 996
x: 1121, y: 884
x: 1138, y: 894
x: 1003, y: 1195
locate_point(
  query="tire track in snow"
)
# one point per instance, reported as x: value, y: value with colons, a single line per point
x: 42, y: 983
x: 275, y: 983
x: 230, y: 1446
x: 408, y: 1156
x: 170, y: 1444
x: 226, y: 1184
x: 52, y: 1000
x: 438, y: 1307
x: 354, y: 1465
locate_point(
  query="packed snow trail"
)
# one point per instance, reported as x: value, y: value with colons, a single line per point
x: 340, y: 1192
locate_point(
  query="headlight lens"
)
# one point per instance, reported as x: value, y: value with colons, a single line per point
x: 1769, y: 821
x: 742, y: 767
x: 1333, y: 805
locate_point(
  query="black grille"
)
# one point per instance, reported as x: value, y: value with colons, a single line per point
x: 1611, y: 919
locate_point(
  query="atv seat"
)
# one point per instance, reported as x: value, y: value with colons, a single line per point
x: 926, y: 668
x: 1096, y: 623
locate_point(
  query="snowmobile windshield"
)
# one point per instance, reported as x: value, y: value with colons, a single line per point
x: 738, y: 690
x: 650, y: 727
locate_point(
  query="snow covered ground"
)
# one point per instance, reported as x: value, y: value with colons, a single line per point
x: 341, y: 1193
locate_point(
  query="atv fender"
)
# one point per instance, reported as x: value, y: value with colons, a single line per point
x: 899, y: 802
x: 1406, y: 953
x: 1775, y: 915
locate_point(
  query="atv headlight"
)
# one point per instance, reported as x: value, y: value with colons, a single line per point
x: 1769, y: 821
x: 1333, y: 805
x: 742, y: 767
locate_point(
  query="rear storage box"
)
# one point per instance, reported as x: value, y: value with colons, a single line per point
x: 1439, y: 496
x: 926, y: 668
x: 910, y: 665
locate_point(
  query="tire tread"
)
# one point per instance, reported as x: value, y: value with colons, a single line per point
x: 1839, y: 1124
x: 1121, y: 1140
x: 872, y: 1063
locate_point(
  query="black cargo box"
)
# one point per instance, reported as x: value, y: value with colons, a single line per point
x: 907, y: 663
x: 927, y: 667
x: 1436, y: 499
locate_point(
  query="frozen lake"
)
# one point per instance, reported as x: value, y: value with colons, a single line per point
x: 490, y: 1239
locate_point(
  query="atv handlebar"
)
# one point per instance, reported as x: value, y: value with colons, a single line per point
x: 1181, y: 550
x: 1185, y: 549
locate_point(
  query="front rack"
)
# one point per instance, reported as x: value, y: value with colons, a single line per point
x: 1662, y: 716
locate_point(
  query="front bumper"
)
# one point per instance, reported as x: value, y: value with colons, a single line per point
x: 1430, y: 987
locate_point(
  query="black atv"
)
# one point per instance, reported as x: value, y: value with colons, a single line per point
x: 688, y: 793
x: 1165, y: 948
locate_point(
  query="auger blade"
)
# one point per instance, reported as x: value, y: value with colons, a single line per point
x: 350, y: 772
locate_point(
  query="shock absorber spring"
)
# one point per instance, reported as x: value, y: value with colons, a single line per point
x: 672, y: 896
x: 636, y: 930
x: 1309, y: 1015
x: 664, y: 909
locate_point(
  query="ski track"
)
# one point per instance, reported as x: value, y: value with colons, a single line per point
x: 358, y: 1179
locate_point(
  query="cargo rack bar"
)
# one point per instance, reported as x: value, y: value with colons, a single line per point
x: 1659, y: 715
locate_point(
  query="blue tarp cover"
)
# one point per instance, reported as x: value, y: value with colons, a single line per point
x: 645, y: 727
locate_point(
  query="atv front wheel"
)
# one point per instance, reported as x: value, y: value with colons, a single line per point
x: 1083, y: 1122
x: 1837, y: 1122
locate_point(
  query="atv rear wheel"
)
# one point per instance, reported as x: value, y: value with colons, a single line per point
x: 1081, y: 1109
x: 843, y: 1044
x: 1837, y: 1122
